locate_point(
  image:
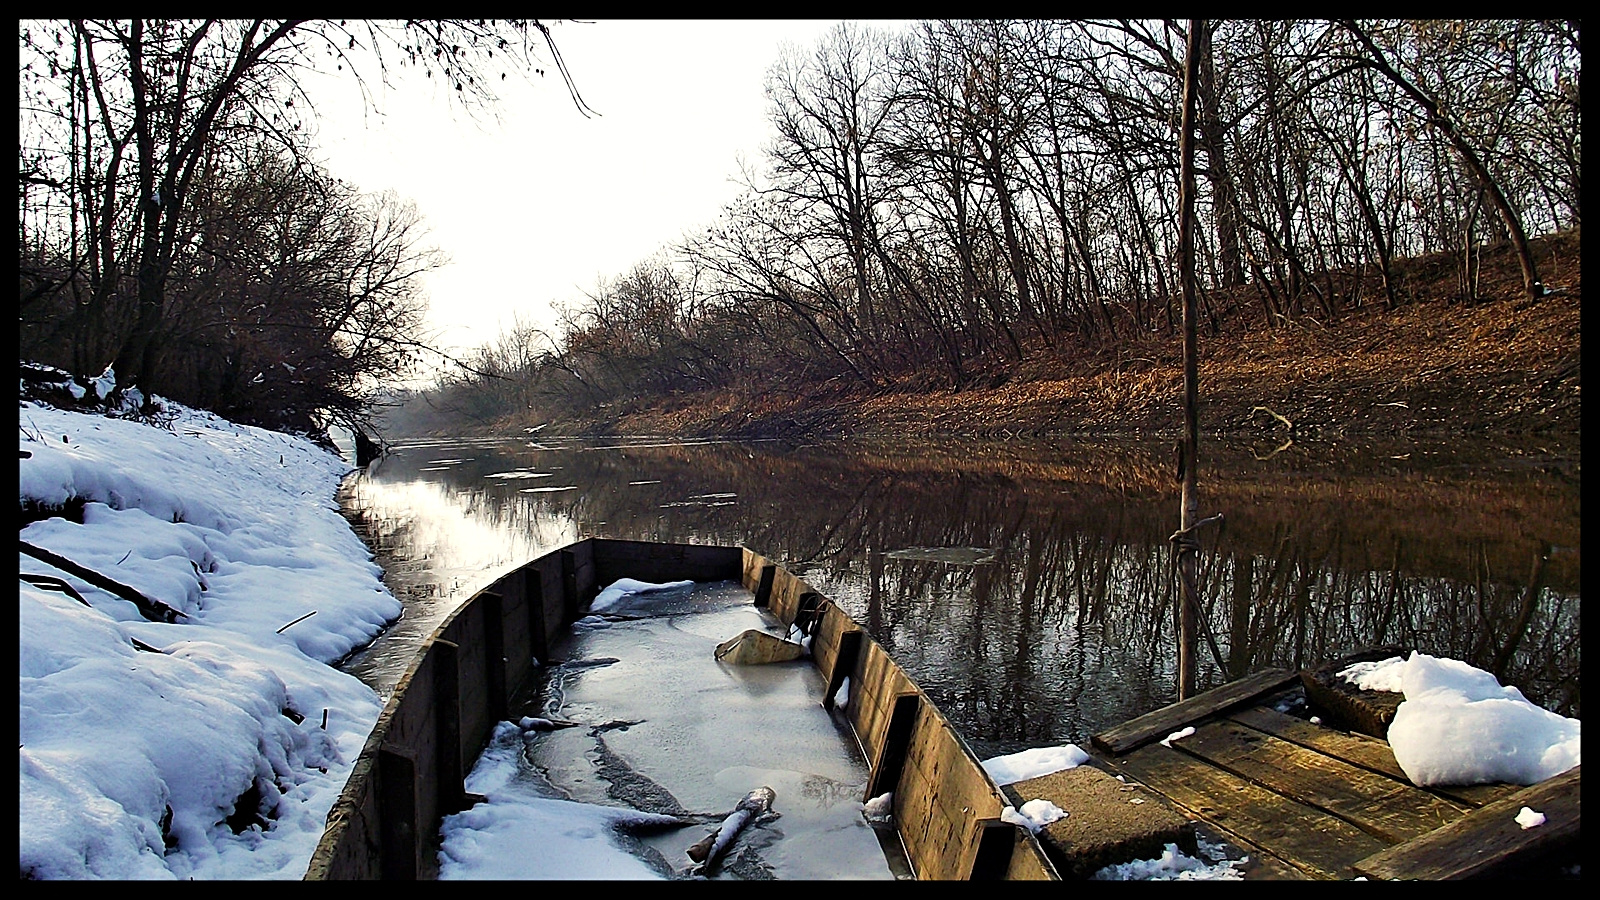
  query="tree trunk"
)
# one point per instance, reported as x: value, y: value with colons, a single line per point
x: 1519, y: 239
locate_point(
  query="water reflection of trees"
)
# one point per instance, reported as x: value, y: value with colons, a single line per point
x: 1071, y: 627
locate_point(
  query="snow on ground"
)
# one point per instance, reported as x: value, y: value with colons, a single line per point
x: 132, y: 761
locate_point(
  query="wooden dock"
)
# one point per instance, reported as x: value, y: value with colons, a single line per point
x: 1307, y: 801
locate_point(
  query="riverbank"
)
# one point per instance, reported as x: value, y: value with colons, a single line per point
x: 189, y: 592
x: 187, y: 589
x: 1435, y: 367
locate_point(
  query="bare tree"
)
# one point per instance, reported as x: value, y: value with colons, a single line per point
x: 125, y: 137
x: 1440, y: 119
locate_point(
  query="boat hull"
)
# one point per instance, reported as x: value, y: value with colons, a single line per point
x: 411, y: 772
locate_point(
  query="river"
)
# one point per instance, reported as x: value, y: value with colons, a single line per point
x: 1028, y: 585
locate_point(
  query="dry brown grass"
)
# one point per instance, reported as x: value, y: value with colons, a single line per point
x: 1435, y: 366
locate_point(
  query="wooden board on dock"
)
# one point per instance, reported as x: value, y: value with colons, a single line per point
x: 1320, y: 803
x: 1168, y: 719
x: 1489, y: 841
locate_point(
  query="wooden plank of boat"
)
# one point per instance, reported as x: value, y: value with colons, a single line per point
x: 1168, y: 719
x: 1254, y: 863
x: 1307, y: 838
x: 1489, y: 841
x: 1388, y: 808
x: 1358, y: 749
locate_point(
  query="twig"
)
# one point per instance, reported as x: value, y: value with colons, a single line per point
x: 301, y: 619
x: 52, y: 583
x: 1286, y: 422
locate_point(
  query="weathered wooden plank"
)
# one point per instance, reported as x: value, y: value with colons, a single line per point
x: 570, y: 596
x: 1164, y: 721
x: 832, y: 622
x: 1390, y: 809
x: 941, y: 792
x: 763, y: 590
x: 655, y: 561
x: 1256, y: 864
x: 873, y: 696
x: 1028, y: 861
x: 997, y: 843
x: 1361, y: 750
x: 494, y: 651
x: 784, y: 598
x: 1487, y: 841
x: 397, y: 779
x: 450, y: 775
x: 1321, y: 845
x: 845, y: 661
x: 1342, y: 704
x: 538, y: 615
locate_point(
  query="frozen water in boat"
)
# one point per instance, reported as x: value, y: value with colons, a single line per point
x: 668, y: 730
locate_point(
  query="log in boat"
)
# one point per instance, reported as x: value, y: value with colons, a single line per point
x: 468, y: 674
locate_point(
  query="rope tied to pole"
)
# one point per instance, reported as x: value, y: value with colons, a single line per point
x: 1184, y: 540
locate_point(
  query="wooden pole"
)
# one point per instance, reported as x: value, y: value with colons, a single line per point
x: 1190, y: 462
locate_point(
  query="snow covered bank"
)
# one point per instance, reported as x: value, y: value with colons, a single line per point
x: 219, y: 754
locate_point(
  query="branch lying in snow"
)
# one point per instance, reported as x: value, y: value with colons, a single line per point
x: 301, y: 619
x: 52, y: 583
x: 151, y: 609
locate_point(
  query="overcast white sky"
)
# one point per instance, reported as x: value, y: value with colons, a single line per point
x: 540, y: 207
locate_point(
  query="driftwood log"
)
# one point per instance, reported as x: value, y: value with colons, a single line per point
x: 710, y: 848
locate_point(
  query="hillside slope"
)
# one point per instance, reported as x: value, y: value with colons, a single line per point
x: 1436, y: 366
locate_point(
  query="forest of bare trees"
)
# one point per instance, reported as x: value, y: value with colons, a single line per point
x: 965, y: 195
x: 174, y: 224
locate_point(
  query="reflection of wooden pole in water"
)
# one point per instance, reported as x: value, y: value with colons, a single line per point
x: 875, y: 593
x: 1239, y: 649
x: 1189, y: 461
x: 1530, y: 601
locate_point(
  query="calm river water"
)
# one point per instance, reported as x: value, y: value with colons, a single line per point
x: 1028, y: 585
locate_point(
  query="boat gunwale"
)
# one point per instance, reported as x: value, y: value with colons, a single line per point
x: 944, y: 840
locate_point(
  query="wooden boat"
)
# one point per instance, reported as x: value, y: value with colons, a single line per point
x: 410, y: 774
x: 1302, y: 799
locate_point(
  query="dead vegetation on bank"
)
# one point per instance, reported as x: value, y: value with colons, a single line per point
x: 1437, y: 366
